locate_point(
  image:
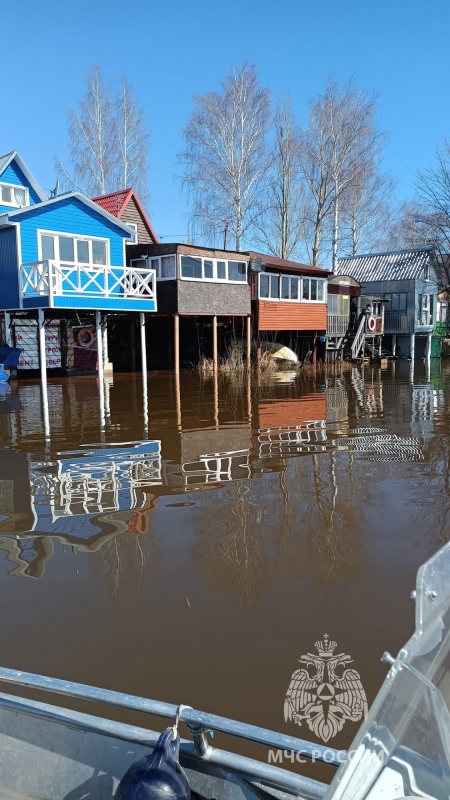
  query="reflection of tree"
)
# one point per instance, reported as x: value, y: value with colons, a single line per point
x: 130, y: 556
x: 232, y: 547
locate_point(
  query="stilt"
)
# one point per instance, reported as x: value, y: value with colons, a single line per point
x: 144, y: 368
x: 394, y: 344
x: 43, y: 366
x: 132, y: 333
x: 412, y: 346
x: 214, y: 342
x: 98, y: 330
x: 8, y: 329
x: 314, y: 350
x: 216, y: 398
x: 176, y: 343
x: 178, y: 399
x: 249, y: 342
x: 428, y: 347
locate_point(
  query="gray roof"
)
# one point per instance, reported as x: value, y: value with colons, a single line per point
x: 399, y: 265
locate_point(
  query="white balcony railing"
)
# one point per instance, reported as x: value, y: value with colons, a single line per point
x: 53, y: 279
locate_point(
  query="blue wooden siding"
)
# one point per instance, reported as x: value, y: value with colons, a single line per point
x: 91, y: 304
x: 68, y: 216
x: 9, y: 287
x: 12, y: 174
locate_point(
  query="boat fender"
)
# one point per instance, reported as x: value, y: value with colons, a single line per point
x: 157, y: 776
x: 85, y: 337
x: 371, y: 323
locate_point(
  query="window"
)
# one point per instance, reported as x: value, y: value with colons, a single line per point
x: 73, y: 249
x: 426, y: 272
x: 425, y: 303
x: 134, y: 239
x: 339, y: 305
x: 164, y: 266
x: 397, y: 302
x: 289, y: 288
x: 13, y: 195
x: 211, y: 269
x: 269, y: 286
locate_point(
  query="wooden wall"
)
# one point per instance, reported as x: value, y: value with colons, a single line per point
x: 274, y: 316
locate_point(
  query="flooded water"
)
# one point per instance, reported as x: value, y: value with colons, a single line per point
x: 196, y: 555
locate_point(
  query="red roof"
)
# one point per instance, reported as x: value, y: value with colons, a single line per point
x: 116, y: 202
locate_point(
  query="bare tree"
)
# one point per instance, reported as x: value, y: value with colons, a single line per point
x: 366, y: 211
x: 340, y: 143
x: 132, y: 141
x: 282, y: 226
x: 225, y: 155
x: 107, y: 141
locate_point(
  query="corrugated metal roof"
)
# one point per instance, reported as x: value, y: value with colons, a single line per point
x: 399, y: 265
x: 114, y: 202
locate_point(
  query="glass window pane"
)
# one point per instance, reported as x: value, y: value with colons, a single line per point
x: 285, y: 288
x: 294, y: 288
x: 83, y: 252
x: 237, y: 271
x: 313, y: 290
x: 168, y: 267
x: 221, y: 270
x: 305, y: 288
x: 191, y: 267
x: 320, y: 291
x: 47, y: 247
x: 98, y: 252
x: 274, y: 286
x: 66, y: 249
x: 6, y: 194
x: 20, y: 196
x: 208, y: 268
x: 264, y: 285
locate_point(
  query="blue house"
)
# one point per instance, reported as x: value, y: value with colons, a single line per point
x: 406, y: 282
x: 62, y: 265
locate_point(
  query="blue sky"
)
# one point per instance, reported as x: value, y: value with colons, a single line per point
x: 174, y: 50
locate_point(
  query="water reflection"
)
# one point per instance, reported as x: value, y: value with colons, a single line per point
x: 232, y: 524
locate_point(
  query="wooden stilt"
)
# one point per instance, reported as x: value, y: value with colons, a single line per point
x: 176, y: 343
x: 43, y: 367
x: 98, y: 330
x: 144, y: 368
x: 249, y: 342
x: 214, y: 342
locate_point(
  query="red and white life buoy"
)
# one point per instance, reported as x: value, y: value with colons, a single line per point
x: 371, y: 323
x: 85, y: 337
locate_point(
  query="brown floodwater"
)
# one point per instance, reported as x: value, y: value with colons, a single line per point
x: 195, y: 554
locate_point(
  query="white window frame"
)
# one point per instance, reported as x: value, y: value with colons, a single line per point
x: 214, y: 279
x: 301, y: 299
x: 154, y: 262
x: 13, y: 202
x: 134, y: 240
x: 77, y: 238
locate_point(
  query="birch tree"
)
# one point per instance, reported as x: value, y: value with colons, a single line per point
x: 132, y: 142
x: 366, y: 212
x: 340, y: 143
x: 107, y: 141
x: 224, y: 158
x: 282, y: 226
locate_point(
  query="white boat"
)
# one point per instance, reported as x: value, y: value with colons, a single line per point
x: 402, y: 749
x: 280, y: 352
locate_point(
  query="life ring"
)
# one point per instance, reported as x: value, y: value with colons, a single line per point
x: 371, y: 323
x: 85, y: 337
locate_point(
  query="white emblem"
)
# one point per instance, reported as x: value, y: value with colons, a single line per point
x: 324, y: 692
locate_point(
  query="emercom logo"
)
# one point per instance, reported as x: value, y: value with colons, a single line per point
x: 324, y: 693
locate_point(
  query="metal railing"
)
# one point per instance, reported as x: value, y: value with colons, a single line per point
x: 358, y: 341
x: 51, y: 278
x: 197, y: 722
x: 337, y: 324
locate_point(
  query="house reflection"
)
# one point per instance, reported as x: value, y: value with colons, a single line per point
x: 282, y: 466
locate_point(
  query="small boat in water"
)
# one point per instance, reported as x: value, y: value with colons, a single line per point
x: 402, y: 749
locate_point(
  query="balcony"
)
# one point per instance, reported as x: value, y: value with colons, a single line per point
x: 51, y: 284
x: 337, y: 324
